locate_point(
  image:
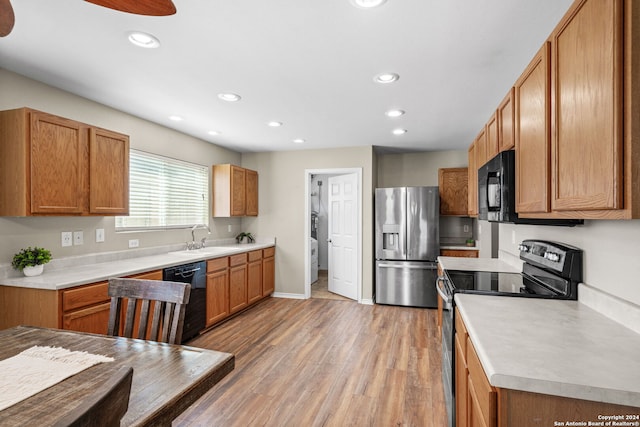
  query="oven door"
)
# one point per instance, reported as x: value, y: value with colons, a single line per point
x: 445, y: 310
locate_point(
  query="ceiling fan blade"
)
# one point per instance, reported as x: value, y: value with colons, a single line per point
x: 7, y: 18
x: 138, y: 7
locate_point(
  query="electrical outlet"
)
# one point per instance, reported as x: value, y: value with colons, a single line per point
x: 99, y: 235
x: 66, y: 238
x: 513, y: 237
x: 78, y: 238
x: 134, y: 243
x: 229, y: 228
x: 465, y: 228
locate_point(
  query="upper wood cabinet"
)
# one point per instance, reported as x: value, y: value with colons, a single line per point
x: 453, y: 185
x: 235, y: 191
x: 50, y: 165
x: 492, y: 138
x: 532, y: 135
x: 472, y: 190
x: 506, y: 123
x: 587, y: 92
x: 481, y: 148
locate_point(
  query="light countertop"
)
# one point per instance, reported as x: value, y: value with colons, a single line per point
x: 560, y: 348
x: 90, y: 272
x: 476, y: 264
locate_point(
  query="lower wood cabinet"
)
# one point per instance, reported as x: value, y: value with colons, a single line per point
x: 462, y: 253
x: 268, y: 271
x: 478, y: 403
x: 217, y: 290
x: 237, y: 282
x: 254, y: 276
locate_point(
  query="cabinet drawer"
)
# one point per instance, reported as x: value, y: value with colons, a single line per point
x: 150, y: 275
x: 217, y: 264
x: 269, y: 252
x: 84, y: 296
x: 485, y: 393
x: 255, y: 255
x: 238, y: 259
x: 460, y: 253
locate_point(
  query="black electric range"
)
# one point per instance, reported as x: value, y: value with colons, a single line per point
x: 550, y: 270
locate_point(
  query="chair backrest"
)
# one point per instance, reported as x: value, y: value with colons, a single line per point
x: 105, y: 406
x: 167, y: 300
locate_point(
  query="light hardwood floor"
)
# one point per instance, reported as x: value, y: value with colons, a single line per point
x: 321, y: 362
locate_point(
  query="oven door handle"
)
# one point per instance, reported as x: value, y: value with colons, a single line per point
x: 445, y: 298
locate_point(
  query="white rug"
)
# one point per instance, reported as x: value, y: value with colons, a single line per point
x: 38, y: 368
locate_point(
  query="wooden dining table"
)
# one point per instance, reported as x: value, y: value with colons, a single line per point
x: 167, y: 378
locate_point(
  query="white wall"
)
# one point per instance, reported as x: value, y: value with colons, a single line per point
x: 417, y: 169
x: 15, y: 233
x: 611, y: 251
x: 282, y: 207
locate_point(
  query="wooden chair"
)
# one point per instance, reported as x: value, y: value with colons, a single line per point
x: 167, y: 299
x: 105, y: 406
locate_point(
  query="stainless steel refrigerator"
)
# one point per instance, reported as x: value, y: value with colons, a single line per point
x: 407, y: 245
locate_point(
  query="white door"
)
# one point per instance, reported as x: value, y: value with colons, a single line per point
x: 343, y: 235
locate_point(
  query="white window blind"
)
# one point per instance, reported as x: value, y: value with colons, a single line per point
x: 165, y: 193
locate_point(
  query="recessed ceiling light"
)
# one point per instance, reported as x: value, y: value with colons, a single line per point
x: 394, y: 113
x: 145, y: 40
x: 213, y: 132
x: 386, y: 78
x: 367, y: 4
x: 399, y: 131
x: 175, y: 118
x: 274, y: 124
x: 229, y: 97
x: 299, y: 141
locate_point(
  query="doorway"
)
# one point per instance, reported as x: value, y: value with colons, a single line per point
x: 322, y: 185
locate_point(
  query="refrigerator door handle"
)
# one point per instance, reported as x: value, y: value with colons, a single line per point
x: 414, y: 267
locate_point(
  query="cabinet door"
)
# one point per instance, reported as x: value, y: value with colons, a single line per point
x: 461, y: 375
x: 108, y: 172
x: 268, y: 272
x: 532, y: 136
x: 453, y: 184
x: 58, y: 159
x: 92, y: 319
x: 587, y: 100
x: 482, y: 401
x: 238, y: 191
x: 251, y: 195
x: 481, y: 148
x: 254, y: 281
x: 217, y: 296
x: 237, y: 288
x: 506, y: 123
x: 492, y: 137
x: 472, y: 191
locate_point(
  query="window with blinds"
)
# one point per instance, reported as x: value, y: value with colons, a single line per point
x: 165, y: 193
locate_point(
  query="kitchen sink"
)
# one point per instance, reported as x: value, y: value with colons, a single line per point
x: 212, y: 250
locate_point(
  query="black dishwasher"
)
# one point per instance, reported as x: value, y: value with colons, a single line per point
x: 195, y: 316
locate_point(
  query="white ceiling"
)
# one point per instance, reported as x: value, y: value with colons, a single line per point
x: 308, y: 64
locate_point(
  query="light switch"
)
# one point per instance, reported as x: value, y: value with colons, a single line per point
x: 78, y: 238
x: 134, y: 243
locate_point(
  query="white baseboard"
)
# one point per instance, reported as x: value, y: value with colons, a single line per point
x: 287, y: 295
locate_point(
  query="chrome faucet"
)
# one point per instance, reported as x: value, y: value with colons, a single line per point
x: 197, y: 245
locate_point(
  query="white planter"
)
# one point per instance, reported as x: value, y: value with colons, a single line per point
x: 33, y: 271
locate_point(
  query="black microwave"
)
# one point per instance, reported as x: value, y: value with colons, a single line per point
x: 497, y: 193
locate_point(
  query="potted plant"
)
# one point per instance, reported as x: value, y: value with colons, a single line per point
x: 250, y: 238
x: 471, y: 242
x: 31, y: 260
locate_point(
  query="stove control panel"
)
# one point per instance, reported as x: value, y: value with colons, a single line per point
x: 558, y: 257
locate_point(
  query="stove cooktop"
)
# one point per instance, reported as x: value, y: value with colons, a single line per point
x: 486, y: 282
